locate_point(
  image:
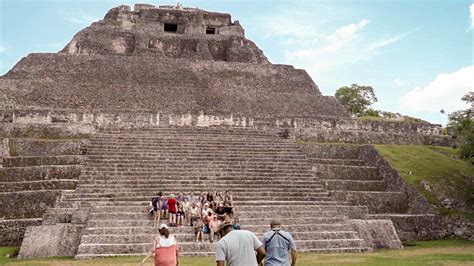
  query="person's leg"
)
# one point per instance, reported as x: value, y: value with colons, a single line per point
x: 211, y: 235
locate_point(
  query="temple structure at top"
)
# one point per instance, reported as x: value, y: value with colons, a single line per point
x: 171, y: 31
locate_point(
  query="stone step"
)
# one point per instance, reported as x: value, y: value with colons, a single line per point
x: 60, y: 184
x: 264, y: 206
x: 140, y: 213
x: 202, y: 163
x: 182, y: 238
x: 173, y: 149
x: 255, y: 211
x: 34, y: 173
x: 376, y: 201
x: 209, y: 254
x: 154, y: 130
x: 208, y: 247
x: 130, y: 197
x: 180, y: 144
x: 196, y: 188
x: 188, y: 190
x: 258, y: 229
x: 182, y: 135
x: 331, y: 151
x: 172, y: 182
x: 198, y: 160
x: 187, y: 174
x: 198, y: 185
x: 354, y: 185
x: 24, y: 161
x: 236, y: 195
x: 347, y: 162
x: 242, y: 169
x: 161, y: 152
x: 117, y: 221
x: 346, y: 172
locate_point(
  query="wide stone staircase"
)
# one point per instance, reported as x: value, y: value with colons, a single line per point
x: 269, y: 177
x: 350, y: 175
x: 34, y: 170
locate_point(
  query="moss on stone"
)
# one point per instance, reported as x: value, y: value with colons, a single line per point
x: 437, y: 173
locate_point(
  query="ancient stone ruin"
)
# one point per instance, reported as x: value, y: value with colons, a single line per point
x: 177, y: 99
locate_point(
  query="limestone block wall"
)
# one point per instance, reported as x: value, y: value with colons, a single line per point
x: 38, y: 162
x: 319, y: 129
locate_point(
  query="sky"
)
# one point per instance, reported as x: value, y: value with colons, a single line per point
x: 416, y: 54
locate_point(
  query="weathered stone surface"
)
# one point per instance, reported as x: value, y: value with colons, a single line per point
x: 170, y: 85
x: 42, y: 160
x: 378, y: 233
x: 26, y: 204
x: 416, y: 226
x: 39, y: 173
x: 39, y: 124
x: 46, y: 147
x: 51, y: 241
x: 142, y: 32
x: 12, y: 230
x: 376, y: 201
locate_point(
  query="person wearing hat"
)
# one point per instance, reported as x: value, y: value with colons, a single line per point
x: 278, y: 244
x: 238, y: 247
x: 165, y: 248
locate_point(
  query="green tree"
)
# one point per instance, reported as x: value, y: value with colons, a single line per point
x: 356, y: 98
x: 461, y: 124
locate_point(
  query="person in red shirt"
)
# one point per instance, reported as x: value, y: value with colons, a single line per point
x: 172, y: 209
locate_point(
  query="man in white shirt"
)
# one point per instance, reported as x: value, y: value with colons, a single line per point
x: 237, y: 247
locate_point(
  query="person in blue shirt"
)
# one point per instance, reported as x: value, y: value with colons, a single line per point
x: 278, y: 245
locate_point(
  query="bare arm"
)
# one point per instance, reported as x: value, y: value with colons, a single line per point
x: 260, y: 254
x: 220, y: 263
x: 293, y: 257
x: 150, y: 253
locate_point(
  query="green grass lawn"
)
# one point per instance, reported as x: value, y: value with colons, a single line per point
x: 445, y: 174
x: 436, y: 252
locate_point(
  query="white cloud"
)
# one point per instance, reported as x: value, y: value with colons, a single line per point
x: 332, y: 42
x: 77, y: 17
x: 471, y: 13
x: 385, y: 42
x: 400, y: 82
x: 81, y: 19
x: 323, y: 52
x: 444, y: 92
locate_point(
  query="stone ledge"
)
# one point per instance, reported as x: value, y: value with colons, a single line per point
x: 377, y: 233
x: 12, y: 230
x: 51, y: 241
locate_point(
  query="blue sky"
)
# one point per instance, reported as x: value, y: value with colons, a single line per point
x: 418, y: 55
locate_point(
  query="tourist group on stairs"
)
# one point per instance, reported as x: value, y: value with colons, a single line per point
x: 214, y: 214
x: 202, y: 211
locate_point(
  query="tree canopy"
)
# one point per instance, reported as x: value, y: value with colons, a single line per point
x: 357, y: 99
x: 461, y: 123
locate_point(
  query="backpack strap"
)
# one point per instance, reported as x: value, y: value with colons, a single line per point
x: 277, y: 232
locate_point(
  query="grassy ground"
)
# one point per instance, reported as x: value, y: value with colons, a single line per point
x: 438, y: 168
x: 437, y: 252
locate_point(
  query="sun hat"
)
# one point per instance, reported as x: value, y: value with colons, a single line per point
x: 163, y: 226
